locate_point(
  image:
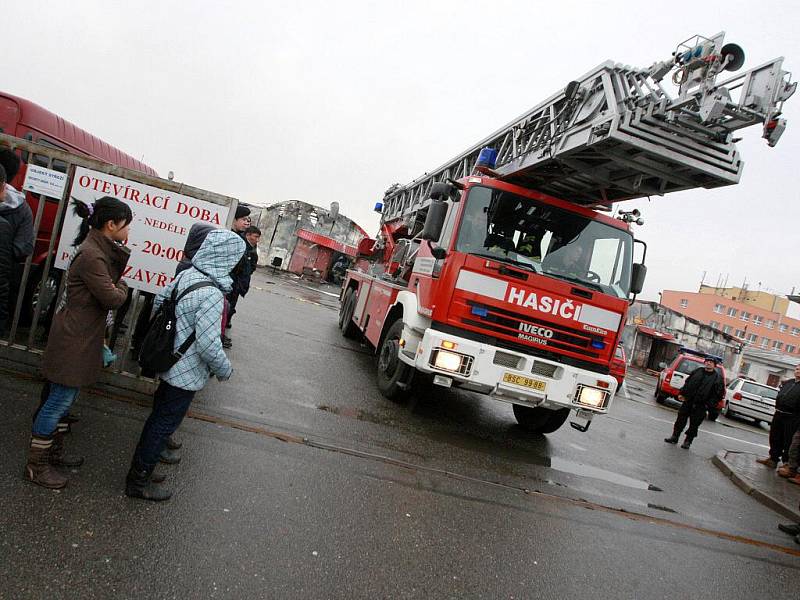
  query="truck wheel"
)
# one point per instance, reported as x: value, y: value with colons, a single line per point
x: 660, y: 398
x: 349, y: 329
x: 540, y: 420
x: 394, y: 376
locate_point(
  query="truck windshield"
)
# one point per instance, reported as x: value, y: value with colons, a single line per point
x: 545, y: 239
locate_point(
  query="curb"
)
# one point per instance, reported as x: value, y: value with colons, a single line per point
x: 762, y: 497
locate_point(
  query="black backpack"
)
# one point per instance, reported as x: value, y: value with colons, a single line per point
x: 157, y: 354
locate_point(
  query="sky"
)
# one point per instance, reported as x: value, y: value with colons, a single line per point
x: 319, y: 101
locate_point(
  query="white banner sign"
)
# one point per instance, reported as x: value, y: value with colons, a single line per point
x: 46, y: 182
x: 161, y: 222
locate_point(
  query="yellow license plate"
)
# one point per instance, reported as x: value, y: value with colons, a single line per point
x: 527, y: 382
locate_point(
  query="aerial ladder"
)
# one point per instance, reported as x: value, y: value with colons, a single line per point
x: 617, y: 133
x: 505, y: 272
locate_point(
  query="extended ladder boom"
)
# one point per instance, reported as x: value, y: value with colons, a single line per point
x: 617, y: 134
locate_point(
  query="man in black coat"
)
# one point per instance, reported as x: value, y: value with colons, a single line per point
x: 701, y: 392
x: 18, y: 218
x: 784, y: 422
x: 6, y: 260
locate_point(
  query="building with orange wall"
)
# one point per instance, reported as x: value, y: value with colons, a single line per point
x: 756, y: 318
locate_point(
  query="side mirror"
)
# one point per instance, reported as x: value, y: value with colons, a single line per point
x: 638, y: 275
x: 437, y: 252
x: 434, y: 222
x: 662, y: 365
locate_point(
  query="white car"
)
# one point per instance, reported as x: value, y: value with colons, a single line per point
x: 750, y: 399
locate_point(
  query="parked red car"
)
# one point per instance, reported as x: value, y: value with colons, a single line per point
x: 618, y: 365
x: 672, y: 378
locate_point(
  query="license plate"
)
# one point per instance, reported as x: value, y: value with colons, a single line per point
x: 584, y: 414
x: 527, y: 382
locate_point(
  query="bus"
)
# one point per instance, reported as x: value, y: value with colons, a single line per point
x: 27, y: 120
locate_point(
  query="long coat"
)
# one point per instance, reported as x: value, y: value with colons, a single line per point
x: 74, y: 354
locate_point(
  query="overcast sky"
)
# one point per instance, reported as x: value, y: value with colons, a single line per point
x: 324, y: 101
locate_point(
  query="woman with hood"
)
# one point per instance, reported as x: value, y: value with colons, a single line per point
x: 198, y: 312
x: 74, y: 354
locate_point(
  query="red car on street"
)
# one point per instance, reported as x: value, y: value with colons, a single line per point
x: 618, y: 365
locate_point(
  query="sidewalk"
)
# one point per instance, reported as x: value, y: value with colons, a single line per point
x: 761, y: 483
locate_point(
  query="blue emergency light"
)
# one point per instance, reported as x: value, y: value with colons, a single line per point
x: 598, y: 344
x: 379, y: 207
x: 487, y: 158
x: 479, y: 310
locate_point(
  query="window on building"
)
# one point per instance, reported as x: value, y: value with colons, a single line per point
x: 757, y: 319
x: 790, y: 349
x: 765, y: 342
x: 740, y: 333
x: 719, y: 308
x: 770, y: 324
x: 745, y: 316
x: 732, y: 312
x: 795, y: 331
x: 776, y: 345
x: 783, y: 328
x: 726, y: 329
x: 714, y: 325
x: 751, y: 339
x: 684, y: 303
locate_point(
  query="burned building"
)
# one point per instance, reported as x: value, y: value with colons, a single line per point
x: 303, y: 238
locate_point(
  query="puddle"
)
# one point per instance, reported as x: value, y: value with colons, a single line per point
x: 566, y: 466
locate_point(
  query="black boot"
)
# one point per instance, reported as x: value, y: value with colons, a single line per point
x: 169, y: 457
x: 791, y: 529
x: 58, y: 456
x: 173, y: 443
x: 138, y: 484
x: 673, y: 439
x: 687, y: 442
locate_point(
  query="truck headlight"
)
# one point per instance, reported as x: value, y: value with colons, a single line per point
x: 591, y: 396
x: 451, y: 361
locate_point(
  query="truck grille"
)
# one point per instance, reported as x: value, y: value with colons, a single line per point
x: 544, y: 369
x: 504, y: 359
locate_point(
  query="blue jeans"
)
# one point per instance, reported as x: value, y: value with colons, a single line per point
x: 170, y: 405
x: 56, y: 406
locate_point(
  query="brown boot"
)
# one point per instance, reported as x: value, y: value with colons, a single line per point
x: 767, y: 462
x: 787, y: 471
x: 39, y: 470
x: 58, y: 456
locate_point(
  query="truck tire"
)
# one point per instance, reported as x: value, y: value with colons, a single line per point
x: 540, y: 420
x: 349, y: 329
x: 394, y: 376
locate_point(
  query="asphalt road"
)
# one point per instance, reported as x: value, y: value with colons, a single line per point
x: 300, y: 480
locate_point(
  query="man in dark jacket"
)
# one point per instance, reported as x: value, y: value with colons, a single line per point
x: 6, y: 260
x: 702, y: 391
x: 16, y: 212
x: 784, y: 422
x: 243, y: 272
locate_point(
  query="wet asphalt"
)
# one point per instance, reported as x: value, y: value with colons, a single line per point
x: 300, y: 481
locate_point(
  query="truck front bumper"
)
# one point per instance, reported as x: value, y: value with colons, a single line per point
x: 510, y: 376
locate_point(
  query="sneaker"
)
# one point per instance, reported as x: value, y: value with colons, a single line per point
x: 787, y: 471
x: 767, y: 462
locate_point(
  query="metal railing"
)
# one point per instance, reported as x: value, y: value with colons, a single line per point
x: 41, y: 283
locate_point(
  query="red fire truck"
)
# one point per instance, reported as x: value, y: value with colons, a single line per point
x: 505, y: 272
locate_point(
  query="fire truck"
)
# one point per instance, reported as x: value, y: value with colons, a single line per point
x: 507, y: 272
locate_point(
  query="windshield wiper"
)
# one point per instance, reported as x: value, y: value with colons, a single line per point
x: 507, y: 260
x: 579, y: 281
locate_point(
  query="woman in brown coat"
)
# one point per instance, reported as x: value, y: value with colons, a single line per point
x: 74, y: 354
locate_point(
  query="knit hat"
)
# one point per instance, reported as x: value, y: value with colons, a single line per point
x: 242, y: 211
